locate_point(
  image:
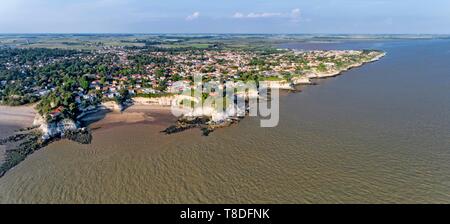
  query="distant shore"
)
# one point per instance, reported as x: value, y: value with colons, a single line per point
x: 335, y: 73
x: 20, y: 116
x: 139, y: 113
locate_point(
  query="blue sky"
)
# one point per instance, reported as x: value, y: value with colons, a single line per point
x: 225, y: 16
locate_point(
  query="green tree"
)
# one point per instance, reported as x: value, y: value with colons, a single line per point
x: 84, y: 83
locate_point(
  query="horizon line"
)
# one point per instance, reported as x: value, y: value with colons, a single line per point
x: 217, y: 33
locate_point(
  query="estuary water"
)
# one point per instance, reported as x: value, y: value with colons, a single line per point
x: 377, y: 134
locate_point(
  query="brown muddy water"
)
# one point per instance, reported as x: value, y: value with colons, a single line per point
x: 377, y: 134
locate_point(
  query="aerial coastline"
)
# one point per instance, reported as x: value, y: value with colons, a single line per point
x: 344, y: 132
x: 224, y: 103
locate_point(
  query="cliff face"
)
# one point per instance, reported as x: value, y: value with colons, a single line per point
x: 54, y: 129
x: 215, y: 115
x: 111, y: 105
x: 277, y: 84
x: 161, y: 101
x: 301, y: 80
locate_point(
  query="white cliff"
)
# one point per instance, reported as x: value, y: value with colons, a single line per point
x: 54, y: 129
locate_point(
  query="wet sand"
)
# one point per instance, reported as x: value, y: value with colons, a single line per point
x: 15, y: 116
x: 136, y: 114
x: 12, y: 119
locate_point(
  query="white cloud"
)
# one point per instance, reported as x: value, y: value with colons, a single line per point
x: 240, y: 15
x: 193, y: 16
x: 294, y: 15
x: 263, y: 15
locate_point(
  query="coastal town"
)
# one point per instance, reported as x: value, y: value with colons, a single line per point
x: 156, y: 73
x: 69, y: 85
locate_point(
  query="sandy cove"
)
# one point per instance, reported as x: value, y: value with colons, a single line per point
x: 12, y: 119
x: 138, y: 113
x: 21, y: 116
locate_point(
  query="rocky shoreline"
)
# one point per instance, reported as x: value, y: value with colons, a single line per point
x: 307, y: 78
x: 28, y: 140
x: 348, y: 68
x: 204, y: 123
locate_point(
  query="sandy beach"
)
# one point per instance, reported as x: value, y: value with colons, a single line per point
x: 16, y: 116
x: 13, y: 118
x: 148, y: 114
